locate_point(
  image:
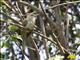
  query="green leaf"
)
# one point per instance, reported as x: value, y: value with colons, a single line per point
x: 12, y: 28
x: 16, y: 38
x: 6, y: 44
x: 1, y: 44
x: 72, y: 56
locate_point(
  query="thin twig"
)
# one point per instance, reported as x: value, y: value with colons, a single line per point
x: 9, y: 6
x: 36, y: 48
x: 17, y: 5
x: 19, y: 11
x: 57, y: 41
x: 40, y: 34
x: 15, y: 21
x: 73, y: 2
x: 45, y: 37
x: 54, y: 25
x: 20, y: 26
x: 33, y: 7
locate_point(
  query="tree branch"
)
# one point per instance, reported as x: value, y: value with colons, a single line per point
x: 36, y: 48
x: 33, y: 7
x: 45, y: 37
x: 9, y: 6
x: 73, y: 2
x: 15, y: 21
x: 54, y: 25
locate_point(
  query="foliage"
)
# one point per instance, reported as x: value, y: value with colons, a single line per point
x: 48, y: 26
x: 13, y: 28
x: 71, y: 57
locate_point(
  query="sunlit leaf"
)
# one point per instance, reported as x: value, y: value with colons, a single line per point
x: 12, y: 28
x: 2, y: 44
x: 72, y: 56
x: 16, y: 38
x: 6, y: 44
